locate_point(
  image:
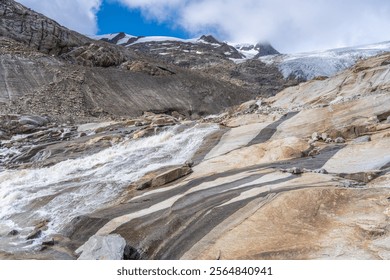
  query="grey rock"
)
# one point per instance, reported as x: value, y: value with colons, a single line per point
x: 324, y: 136
x: 171, y: 175
x: 36, y: 233
x: 315, y: 136
x: 48, y: 242
x: 362, y: 139
x: 339, y: 140
x: 320, y: 171
x: 3, y: 135
x: 314, y: 152
x: 142, y: 185
x: 13, y: 232
x: 110, y: 247
x: 294, y: 170
x: 33, y: 120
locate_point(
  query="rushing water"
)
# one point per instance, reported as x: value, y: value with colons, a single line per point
x: 80, y: 186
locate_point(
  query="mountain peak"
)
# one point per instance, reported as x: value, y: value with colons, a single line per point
x: 209, y: 39
x: 265, y: 48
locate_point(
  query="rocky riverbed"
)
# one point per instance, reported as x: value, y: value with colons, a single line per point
x: 302, y: 175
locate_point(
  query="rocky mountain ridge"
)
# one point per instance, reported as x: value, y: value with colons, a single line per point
x: 301, y: 66
x: 77, y: 78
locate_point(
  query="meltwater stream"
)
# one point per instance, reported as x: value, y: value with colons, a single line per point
x: 75, y: 187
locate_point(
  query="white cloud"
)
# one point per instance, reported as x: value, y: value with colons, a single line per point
x: 79, y: 15
x: 295, y: 25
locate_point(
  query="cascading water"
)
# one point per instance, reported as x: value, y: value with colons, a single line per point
x: 80, y: 186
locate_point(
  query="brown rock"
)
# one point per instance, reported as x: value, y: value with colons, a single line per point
x: 36, y: 233
x: 170, y: 176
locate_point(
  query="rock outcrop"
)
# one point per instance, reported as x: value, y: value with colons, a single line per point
x: 36, y: 31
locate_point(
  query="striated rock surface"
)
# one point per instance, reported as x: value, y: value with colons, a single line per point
x: 264, y: 192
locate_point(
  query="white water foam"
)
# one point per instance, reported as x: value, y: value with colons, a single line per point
x: 75, y: 187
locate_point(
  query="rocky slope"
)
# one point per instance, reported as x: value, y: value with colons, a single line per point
x: 209, y: 56
x: 48, y: 69
x: 298, y: 66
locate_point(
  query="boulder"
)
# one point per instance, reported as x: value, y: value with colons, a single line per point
x: 248, y: 106
x: 110, y: 247
x: 33, y: 120
x: 162, y: 121
x: 320, y: 171
x: 143, y: 133
x: 294, y: 170
x: 152, y: 180
x: 315, y: 136
x: 339, y: 140
x: 36, y: 233
x: 13, y: 232
x: 177, y: 115
x: 49, y: 242
x: 171, y: 175
x: 39, y: 228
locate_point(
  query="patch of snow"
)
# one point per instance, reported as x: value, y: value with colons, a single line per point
x: 208, y: 43
x: 162, y: 39
x: 104, y: 36
x: 112, y: 36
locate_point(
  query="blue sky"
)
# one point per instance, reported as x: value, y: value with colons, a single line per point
x: 114, y: 17
x: 290, y: 26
